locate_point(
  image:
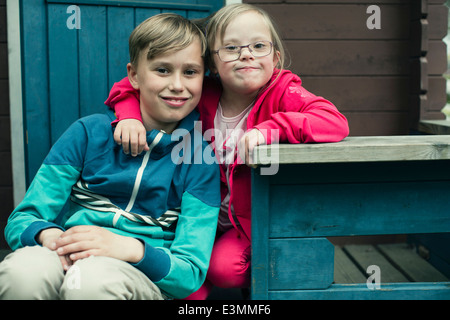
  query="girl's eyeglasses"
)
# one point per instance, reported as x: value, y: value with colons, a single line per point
x: 232, y: 53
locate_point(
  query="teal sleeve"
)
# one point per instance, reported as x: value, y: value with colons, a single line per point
x: 190, y: 251
x: 42, y: 204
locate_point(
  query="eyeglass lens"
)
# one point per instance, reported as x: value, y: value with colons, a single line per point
x: 257, y: 49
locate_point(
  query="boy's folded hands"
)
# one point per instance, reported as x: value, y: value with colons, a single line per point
x: 83, y: 241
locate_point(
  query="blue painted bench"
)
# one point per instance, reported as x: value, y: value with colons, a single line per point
x: 302, y: 195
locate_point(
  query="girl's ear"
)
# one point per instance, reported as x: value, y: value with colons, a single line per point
x: 132, y: 76
x: 276, y: 57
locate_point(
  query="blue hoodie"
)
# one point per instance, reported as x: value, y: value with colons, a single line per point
x: 165, y: 197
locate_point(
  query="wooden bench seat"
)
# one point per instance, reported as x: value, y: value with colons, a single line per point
x: 304, y: 194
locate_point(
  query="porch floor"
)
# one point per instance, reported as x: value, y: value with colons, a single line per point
x: 397, y: 262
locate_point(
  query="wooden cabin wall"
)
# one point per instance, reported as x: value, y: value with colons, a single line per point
x: 6, y: 193
x: 384, y: 80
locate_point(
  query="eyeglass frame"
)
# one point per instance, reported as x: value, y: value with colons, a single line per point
x: 240, y: 51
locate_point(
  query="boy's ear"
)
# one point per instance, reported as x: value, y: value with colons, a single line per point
x: 132, y: 76
x: 214, y: 71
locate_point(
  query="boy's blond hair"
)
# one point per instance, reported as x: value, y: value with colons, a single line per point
x: 163, y: 33
x: 219, y: 22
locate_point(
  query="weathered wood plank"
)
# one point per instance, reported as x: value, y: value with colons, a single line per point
x: 63, y: 61
x: 367, y: 255
x: 351, y: 94
x: 405, y: 258
x: 358, y: 149
x: 120, y: 25
x: 347, y: 1
x: 339, y: 21
x: 92, y: 48
x: 345, y: 270
x: 3, y: 33
x: 354, y: 57
x: 391, y: 291
x: 144, y: 13
x: 301, y: 263
x: 36, y: 99
x: 441, y: 127
x: 437, y: 57
x: 329, y: 209
x: 4, y: 97
x: 3, y: 61
x: 436, y: 94
x: 374, y: 123
x: 260, y: 235
x: 438, y: 24
x: 434, y: 248
x: 189, y: 5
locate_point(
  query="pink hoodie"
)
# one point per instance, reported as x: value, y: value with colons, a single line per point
x: 283, y: 111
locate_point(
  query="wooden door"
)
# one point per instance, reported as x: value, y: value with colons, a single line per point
x: 73, y: 51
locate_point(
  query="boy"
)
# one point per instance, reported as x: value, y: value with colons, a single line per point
x: 137, y: 228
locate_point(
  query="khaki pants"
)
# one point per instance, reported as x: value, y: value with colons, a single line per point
x: 36, y: 273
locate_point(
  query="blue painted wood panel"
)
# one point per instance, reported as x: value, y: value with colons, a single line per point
x: 63, y: 71
x: 36, y: 104
x: 295, y: 209
x: 437, y: 250
x: 359, y: 209
x: 68, y: 72
x: 358, y: 199
x: 300, y: 263
x: 388, y: 291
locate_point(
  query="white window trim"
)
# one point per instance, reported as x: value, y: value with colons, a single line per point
x: 15, y: 100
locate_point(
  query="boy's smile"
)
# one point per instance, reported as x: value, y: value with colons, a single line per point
x: 175, y: 101
x: 170, y: 86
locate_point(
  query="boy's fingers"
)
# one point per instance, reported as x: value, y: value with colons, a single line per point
x: 118, y: 136
x: 143, y: 146
x: 77, y: 229
x: 65, y: 262
x: 125, y: 142
x: 74, y: 247
x: 82, y: 254
x: 134, y: 144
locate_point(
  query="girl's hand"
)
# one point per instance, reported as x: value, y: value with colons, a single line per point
x: 131, y: 134
x: 83, y: 241
x: 47, y: 238
x: 247, y: 143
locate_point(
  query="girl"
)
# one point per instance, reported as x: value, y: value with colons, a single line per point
x: 251, y: 100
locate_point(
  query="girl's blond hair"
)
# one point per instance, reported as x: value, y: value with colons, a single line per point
x: 219, y: 22
x: 163, y: 33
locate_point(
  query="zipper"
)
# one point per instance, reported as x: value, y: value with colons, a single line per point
x: 140, y: 173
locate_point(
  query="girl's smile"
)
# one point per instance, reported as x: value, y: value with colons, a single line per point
x: 246, y: 68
